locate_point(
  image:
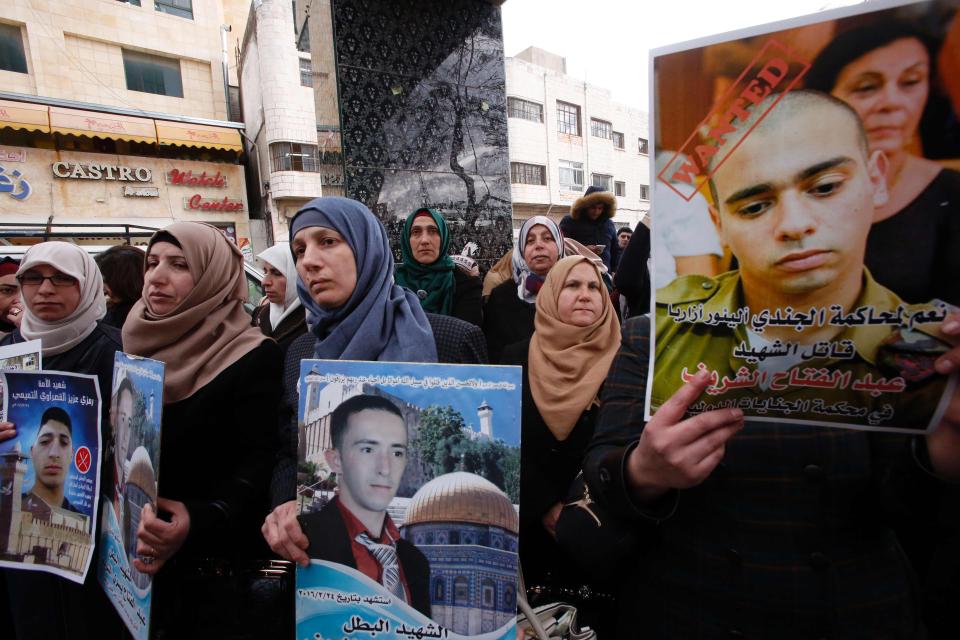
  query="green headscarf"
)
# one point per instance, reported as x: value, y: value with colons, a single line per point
x: 436, y: 279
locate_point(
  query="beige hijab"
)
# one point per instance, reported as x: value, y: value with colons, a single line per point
x: 62, y: 335
x: 210, y: 330
x: 568, y: 364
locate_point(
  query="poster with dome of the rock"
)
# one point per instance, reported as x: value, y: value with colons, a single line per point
x: 408, y: 486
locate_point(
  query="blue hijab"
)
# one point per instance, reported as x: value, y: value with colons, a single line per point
x: 380, y: 320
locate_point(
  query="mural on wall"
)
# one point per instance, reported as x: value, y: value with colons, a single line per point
x: 423, y: 110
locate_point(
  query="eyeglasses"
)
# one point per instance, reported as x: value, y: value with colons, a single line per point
x: 58, y: 279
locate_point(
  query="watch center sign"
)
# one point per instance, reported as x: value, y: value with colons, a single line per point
x: 205, y: 204
x: 191, y: 179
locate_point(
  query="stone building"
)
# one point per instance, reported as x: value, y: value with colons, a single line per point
x: 566, y: 135
x: 118, y: 113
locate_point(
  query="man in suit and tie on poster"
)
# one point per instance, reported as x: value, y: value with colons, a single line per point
x: 369, y: 456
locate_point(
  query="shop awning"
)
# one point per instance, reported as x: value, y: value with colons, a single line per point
x: 24, y: 115
x: 93, y: 124
x: 198, y: 135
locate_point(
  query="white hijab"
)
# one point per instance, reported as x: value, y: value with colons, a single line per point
x: 65, y: 334
x: 280, y: 258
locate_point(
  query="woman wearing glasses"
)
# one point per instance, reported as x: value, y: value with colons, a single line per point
x: 62, y: 293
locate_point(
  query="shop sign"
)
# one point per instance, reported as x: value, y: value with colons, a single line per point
x: 14, y: 184
x: 191, y: 179
x: 197, y: 202
x: 141, y: 192
x: 101, y: 172
x: 13, y: 155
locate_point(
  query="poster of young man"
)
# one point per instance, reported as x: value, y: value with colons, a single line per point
x: 49, y: 472
x: 818, y: 152
x: 408, y: 483
x: 136, y: 404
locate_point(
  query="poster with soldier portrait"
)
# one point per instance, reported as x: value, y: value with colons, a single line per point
x: 49, y: 472
x: 136, y: 407
x: 806, y: 217
x: 408, y: 485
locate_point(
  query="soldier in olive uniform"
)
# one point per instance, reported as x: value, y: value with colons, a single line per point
x: 800, y: 331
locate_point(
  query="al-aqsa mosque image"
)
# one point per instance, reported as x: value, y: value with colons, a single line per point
x: 467, y: 528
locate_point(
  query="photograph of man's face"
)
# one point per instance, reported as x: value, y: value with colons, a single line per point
x: 52, y: 454
x: 798, y: 221
x: 123, y: 412
x: 370, y: 460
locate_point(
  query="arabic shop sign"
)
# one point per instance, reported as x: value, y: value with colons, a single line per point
x: 197, y: 202
x: 84, y: 171
x: 191, y: 179
x: 13, y: 155
x: 14, y: 184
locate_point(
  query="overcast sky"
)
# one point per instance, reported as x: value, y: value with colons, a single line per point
x: 607, y: 42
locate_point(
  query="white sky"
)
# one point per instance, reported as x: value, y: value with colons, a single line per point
x: 607, y: 42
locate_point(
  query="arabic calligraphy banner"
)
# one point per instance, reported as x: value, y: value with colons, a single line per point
x: 50, y: 472
x: 408, y: 486
x: 806, y: 220
x: 135, y: 416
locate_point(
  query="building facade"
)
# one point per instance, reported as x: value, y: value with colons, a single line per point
x: 277, y: 100
x: 117, y: 114
x: 566, y: 135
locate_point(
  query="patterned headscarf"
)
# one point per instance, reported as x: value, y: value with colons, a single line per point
x: 529, y: 283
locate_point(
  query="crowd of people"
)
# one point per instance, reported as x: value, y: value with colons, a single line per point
x: 729, y: 528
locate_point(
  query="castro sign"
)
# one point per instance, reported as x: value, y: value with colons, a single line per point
x: 82, y: 171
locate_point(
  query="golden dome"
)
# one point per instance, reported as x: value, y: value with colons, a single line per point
x: 462, y: 497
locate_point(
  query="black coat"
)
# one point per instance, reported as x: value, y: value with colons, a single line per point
x: 291, y: 327
x: 547, y: 468
x: 467, y: 303
x: 506, y: 319
x: 70, y: 610
x: 329, y: 540
x: 633, y: 274
x: 599, y: 231
x: 217, y: 448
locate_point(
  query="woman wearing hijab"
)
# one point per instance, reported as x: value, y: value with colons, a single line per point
x: 221, y: 392
x: 886, y: 72
x: 62, y: 294
x: 564, y: 365
x: 356, y: 312
x: 283, y: 318
x: 430, y: 272
x: 508, y: 315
